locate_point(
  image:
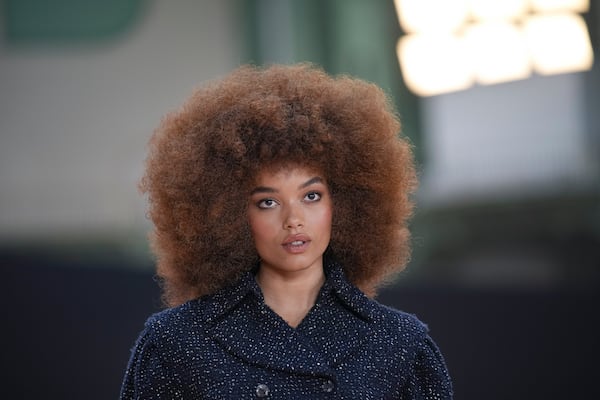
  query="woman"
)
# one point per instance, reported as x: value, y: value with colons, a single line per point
x: 280, y: 199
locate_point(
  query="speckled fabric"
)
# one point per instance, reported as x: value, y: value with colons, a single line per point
x: 230, y: 345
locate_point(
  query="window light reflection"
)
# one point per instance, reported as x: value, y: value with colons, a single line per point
x: 431, y: 15
x: 434, y: 63
x: 499, y: 52
x: 547, y: 6
x: 559, y: 43
x: 495, y: 9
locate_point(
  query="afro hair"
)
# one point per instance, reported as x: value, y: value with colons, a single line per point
x: 204, y: 157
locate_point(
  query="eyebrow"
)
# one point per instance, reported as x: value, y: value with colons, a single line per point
x: 266, y: 189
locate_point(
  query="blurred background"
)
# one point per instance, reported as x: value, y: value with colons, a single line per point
x: 500, y: 98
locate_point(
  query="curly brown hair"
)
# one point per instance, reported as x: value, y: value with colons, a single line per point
x: 205, y: 156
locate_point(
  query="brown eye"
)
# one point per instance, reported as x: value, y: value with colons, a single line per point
x: 312, y: 197
x: 266, y: 203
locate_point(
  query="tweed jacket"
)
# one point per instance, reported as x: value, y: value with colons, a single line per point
x: 231, y: 345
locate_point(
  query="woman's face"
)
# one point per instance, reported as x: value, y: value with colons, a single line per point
x: 290, y: 218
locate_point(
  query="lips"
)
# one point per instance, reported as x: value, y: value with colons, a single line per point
x: 296, y: 243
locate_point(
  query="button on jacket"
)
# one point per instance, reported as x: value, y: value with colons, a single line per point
x: 231, y: 345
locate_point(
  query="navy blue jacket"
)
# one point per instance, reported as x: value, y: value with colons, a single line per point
x: 231, y: 345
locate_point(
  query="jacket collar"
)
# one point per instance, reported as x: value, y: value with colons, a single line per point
x: 351, y: 297
x: 242, y: 323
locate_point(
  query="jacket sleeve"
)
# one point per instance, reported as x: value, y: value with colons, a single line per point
x: 429, y: 379
x: 148, y: 374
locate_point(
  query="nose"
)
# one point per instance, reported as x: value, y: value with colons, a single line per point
x: 294, y: 217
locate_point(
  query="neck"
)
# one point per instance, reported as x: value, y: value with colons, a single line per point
x: 291, y: 296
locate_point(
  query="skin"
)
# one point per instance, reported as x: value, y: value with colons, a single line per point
x: 289, y: 213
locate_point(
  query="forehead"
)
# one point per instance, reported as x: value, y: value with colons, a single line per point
x: 287, y: 172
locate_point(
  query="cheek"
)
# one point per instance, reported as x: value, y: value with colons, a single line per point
x: 324, y: 220
x: 328, y: 221
x: 260, y: 226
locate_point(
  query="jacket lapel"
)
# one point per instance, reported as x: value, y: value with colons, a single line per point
x: 340, y: 323
x: 337, y: 327
x: 256, y: 335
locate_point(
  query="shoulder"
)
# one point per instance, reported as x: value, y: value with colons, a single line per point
x: 385, y: 320
x: 172, y: 323
x: 197, y: 314
x: 426, y: 368
x: 404, y: 326
x: 172, y: 316
x: 390, y: 316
